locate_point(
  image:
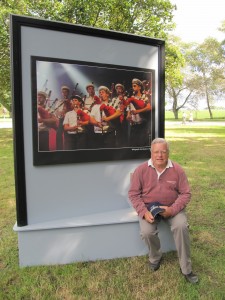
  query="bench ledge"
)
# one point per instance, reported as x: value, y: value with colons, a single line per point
x: 127, y: 215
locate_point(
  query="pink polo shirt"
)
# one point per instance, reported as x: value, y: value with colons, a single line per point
x: 170, y: 188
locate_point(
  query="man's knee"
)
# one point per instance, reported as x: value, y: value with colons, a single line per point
x: 148, y: 230
x: 180, y: 224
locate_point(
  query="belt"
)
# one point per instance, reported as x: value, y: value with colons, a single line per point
x: 103, y: 132
x: 136, y: 123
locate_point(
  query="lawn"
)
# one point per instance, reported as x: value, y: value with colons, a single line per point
x: 200, y: 151
x: 200, y: 115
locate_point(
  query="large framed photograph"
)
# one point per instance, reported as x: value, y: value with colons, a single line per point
x: 85, y: 111
x: 86, y: 104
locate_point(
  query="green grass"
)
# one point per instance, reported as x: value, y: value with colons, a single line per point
x: 199, y: 115
x: 200, y: 151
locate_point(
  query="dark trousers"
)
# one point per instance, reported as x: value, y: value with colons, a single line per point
x: 74, y: 141
x: 43, y: 141
x: 104, y: 140
x: 59, y: 135
x: 90, y: 134
x: 139, y: 135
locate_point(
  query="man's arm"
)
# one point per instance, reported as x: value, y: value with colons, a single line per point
x: 135, y: 193
x: 184, y: 194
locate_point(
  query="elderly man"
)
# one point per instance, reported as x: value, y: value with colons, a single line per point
x: 164, y: 181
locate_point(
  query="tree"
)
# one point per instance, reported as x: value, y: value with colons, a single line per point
x: 151, y: 18
x: 6, y: 8
x: 176, y: 82
x: 207, y: 62
x: 144, y: 17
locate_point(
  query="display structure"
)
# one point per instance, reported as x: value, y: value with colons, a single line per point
x: 47, y: 55
x: 71, y: 190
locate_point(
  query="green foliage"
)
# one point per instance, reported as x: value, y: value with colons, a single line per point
x: 175, y: 61
x: 143, y: 17
x: 7, y: 8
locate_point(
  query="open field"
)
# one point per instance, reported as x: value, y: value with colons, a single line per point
x: 200, y: 150
x: 199, y: 115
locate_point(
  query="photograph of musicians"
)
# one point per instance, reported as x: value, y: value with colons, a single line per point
x: 74, y: 125
x: 147, y: 89
x: 89, y: 100
x: 138, y: 115
x: 62, y: 106
x: 45, y: 122
x: 103, y: 117
x: 119, y: 102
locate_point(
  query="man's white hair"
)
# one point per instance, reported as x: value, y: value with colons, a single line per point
x: 160, y: 141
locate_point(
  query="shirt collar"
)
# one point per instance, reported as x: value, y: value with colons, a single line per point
x: 169, y: 165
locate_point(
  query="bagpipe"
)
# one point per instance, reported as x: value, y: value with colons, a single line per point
x: 137, y: 103
x: 109, y: 111
x: 45, y: 114
x: 83, y: 116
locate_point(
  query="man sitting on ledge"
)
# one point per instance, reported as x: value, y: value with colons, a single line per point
x: 163, y: 182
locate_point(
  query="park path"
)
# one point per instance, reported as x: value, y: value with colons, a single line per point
x: 7, y: 123
x: 195, y: 123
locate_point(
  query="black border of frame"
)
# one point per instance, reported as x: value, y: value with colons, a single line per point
x: 16, y: 23
x: 86, y: 155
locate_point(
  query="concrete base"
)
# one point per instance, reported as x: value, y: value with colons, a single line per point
x: 111, y: 235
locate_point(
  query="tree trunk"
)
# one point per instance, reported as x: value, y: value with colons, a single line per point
x: 175, y: 112
x: 208, y: 104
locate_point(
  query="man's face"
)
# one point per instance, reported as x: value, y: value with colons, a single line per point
x: 40, y: 100
x: 159, y: 155
x: 91, y: 90
x: 75, y: 103
x: 65, y: 93
x: 119, y: 90
x: 136, y: 88
x: 103, y: 95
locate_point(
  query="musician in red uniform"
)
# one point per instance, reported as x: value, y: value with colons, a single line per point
x: 120, y: 102
x: 105, y: 119
x: 61, y: 107
x: 74, y: 125
x: 90, y: 100
x: 46, y: 121
x: 139, y: 116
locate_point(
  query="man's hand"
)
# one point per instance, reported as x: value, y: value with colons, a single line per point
x: 167, y: 213
x: 149, y: 217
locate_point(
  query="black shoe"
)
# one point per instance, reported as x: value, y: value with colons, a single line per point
x: 191, y: 277
x: 155, y: 267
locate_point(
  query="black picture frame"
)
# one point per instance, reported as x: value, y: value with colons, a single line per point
x: 124, y: 147
x: 116, y: 46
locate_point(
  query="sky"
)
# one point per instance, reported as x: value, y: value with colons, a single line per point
x: 198, y: 19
